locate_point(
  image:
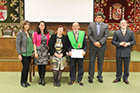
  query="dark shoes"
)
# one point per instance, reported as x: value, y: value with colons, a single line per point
x: 25, y: 84
x: 126, y: 81
x: 117, y: 80
x: 100, y: 80
x: 42, y: 81
x: 71, y: 83
x: 90, y: 81
x: 57, y: 83
x: 80, y: 83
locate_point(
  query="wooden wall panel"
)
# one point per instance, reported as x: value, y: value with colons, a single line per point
x: 107, y: 67
x: 110, y: 52
x: 137, y: 37
x: 10, y: 66
x: 8, y: 48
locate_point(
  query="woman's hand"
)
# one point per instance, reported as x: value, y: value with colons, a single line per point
x: 60, y: 55
x: 36, y: 55
x: 20, y: 57
x: 55, y: 54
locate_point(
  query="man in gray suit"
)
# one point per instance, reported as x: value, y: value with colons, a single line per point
x: 97, y: 35
x: 123, y: 39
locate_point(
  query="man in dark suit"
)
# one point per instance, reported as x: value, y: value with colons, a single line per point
x: 77, y: 40
x: 97, y: 35
x: 123, y: 39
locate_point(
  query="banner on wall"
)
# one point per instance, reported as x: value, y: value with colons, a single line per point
x: 3, y: 12
x: 11, y: 11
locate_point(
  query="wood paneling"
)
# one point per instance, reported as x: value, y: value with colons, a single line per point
x: 107, y: 67
x: 137, y: 37
x: 10, y: 66
x: 8, y: 48
x: 110, y: 52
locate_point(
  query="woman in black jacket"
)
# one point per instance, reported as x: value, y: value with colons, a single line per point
x: 58, y: 48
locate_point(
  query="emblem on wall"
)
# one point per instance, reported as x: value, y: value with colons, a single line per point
x: 116, y: 12
x: 3, y: 10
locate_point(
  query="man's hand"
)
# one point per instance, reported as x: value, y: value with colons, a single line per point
x: 126, y: 44
x: 97, y: 44
x: 70, y: 54
x: 122, y: 43
x: 83, y: 53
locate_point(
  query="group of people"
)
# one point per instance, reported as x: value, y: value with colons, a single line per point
x: 41, y: 44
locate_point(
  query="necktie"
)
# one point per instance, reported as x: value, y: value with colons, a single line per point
x: 123, y: 31
x: 76, y: 35
x: 98, y: 28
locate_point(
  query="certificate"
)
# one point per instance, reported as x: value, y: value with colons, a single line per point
x: 77, y: 53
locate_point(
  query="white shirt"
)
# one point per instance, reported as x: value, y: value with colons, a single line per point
x: 123, y: 31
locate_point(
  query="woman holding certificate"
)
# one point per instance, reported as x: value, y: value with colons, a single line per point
x: 58, y: 48
x: 77, y: 45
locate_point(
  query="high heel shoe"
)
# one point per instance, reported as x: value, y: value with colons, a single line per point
x: 43, y: 82
x: 40, y: 81
x: 24, y: 85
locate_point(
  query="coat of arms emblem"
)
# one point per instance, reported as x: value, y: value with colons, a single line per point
x: 3, y: 10
x: 116, y: 11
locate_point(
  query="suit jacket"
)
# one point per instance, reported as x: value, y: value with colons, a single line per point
x: 118, y: 37
x: 52, y: 42
x: 94, y: 37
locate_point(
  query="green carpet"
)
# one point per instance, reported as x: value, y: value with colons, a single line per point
x: 9, y: 83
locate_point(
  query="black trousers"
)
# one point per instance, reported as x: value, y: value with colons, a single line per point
x: 73, y: 63
x: 119, y: 61
x: 93, y: 53
x: 25, y: 68
x: 41, y: 70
